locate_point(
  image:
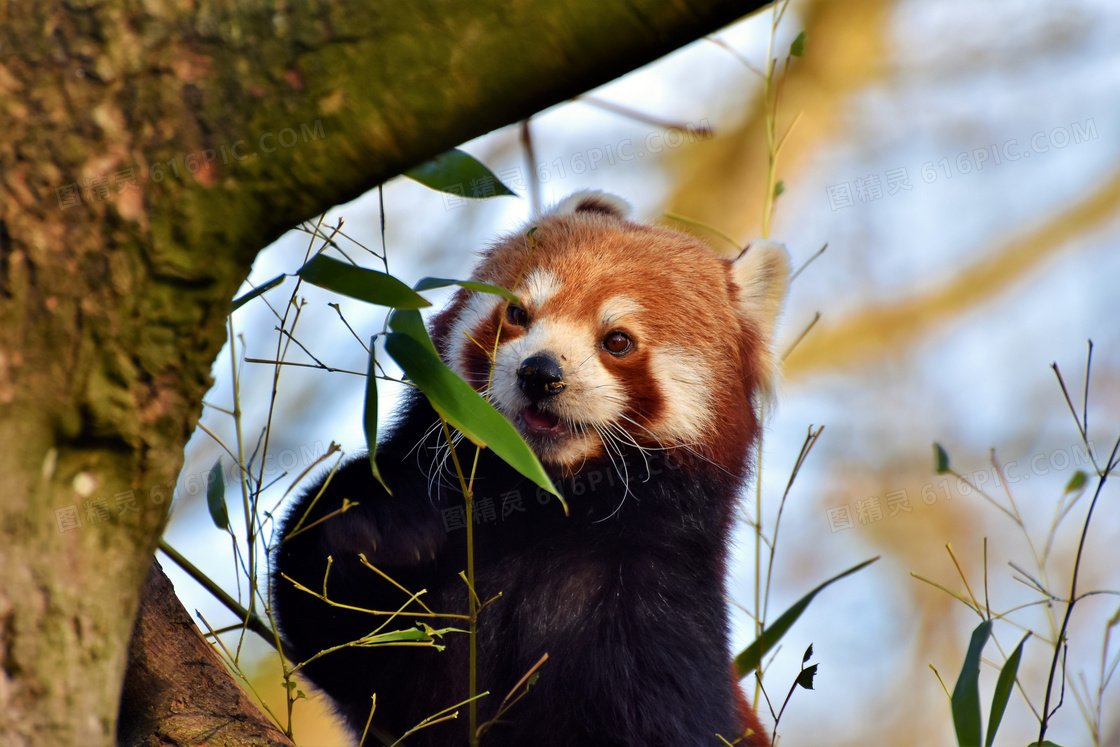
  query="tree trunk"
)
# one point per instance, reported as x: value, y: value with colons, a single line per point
x: 149, y: 151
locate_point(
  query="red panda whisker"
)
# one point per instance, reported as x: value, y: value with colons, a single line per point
x: 689, y: 382
x: 609, y: 441
x: 583, y: 362
x: 686, y: 445
x: 703, y: 458
x: 636, y: 424
x: 438, y: 472
x: 643, y: 450
x: 424, y: 437
x: 624, y: 476
x: 435, y: 467
x: 582, y: 462
x: 615, y: 428
x: 429, y: 466
x: 690, y: 447
x: 618, y: 430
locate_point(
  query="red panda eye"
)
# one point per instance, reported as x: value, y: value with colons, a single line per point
x: 617, y: 343
x: 517, y: 316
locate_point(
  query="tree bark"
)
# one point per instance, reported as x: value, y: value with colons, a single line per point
x: 150, y: 150
x: 177, y: 691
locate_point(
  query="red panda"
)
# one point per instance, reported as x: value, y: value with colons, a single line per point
x: 633, y: 365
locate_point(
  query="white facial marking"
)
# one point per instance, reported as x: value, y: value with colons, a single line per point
x: 540, y: 286
x: 478, y: 309
x: 686, y: 389
x: 616, y: 309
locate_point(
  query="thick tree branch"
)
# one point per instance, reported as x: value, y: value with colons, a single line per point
x: 177, y: 691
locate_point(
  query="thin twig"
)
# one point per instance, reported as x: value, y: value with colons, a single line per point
x: 381, y: 211
x: 700, y: 224
x: 319, y: 366
x: 255, y: 624
x: 1072, y: 409
x: 361, y: 342
x: 703, y: 131
x: 800, y: 337
x: 1085, y: 397
x: 806, y: 263
x: 738, y: 55
x: 960, y: 572
x: 1046, y: 712
x: 506, y: 703
x: 806, y: 447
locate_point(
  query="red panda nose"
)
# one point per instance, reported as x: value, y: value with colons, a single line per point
x: 540, y: 376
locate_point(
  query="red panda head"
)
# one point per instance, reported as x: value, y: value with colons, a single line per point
x: 625, y: 336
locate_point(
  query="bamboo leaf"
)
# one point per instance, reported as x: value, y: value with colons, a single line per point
x: 216, y: 496
x: 409, y: 322
x: 459, y: 174
x: 366, y: 285
x: 1003, y: 690
x: 751, y: 657
x: 966, y: 694
x: 1077, y: 482
x: 940, y: 459
x: 426, y: 635
x: 431, y: 283
x: 797, y: 48
x: 369, y: 421
x: 464, y: 408
x: 805, y: 678
x: 259, y: 290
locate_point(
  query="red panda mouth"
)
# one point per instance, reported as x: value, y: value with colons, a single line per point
x: 539, y: 422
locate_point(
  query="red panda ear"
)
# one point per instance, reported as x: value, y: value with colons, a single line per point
x: 593, y: 201
x: 762, y: 273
